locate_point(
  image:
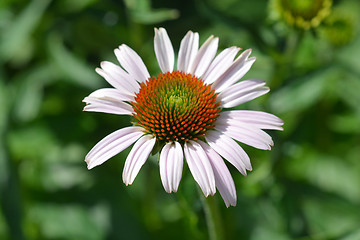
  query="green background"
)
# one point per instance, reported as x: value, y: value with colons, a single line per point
x: 307, y: 187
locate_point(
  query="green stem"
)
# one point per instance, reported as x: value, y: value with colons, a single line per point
x: 213, y: 219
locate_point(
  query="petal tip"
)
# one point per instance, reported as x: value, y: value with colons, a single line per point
x: 89, y: 166
x: 99, y: 70
x: 252, y: 59
x: 233, y: 204
x: 127, y: 182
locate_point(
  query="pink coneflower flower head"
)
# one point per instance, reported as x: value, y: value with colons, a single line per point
x: 183, y: 113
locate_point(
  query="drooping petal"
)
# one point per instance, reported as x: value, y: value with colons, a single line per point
x: 230, y: 150
x: 204, y: 56
x: 118, y: 78
x: 247, y: 134
x: 220, y: 64
x: 242, y: 92
x: 132, y: 63
x: 200, y: 167
x: 137, y: 157
x: 257, y: 119
x: 188, y: 49
x: 235, y: 72
x: 108, y: 100
x: 171, y: 166
x: 164, y: 50
x: 223, y: 180
x: 112, y: 144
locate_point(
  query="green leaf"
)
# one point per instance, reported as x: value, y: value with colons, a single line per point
x: 154, y: 16
x: 330, y: 218
x: 348, y: 90
x: 246, y: 11
x: 141, y: 5
x: 303, y: 92
x: 68, y: 221
x: 30, y: 94
x: 271, y: 223
x: 70, y: 66
x: 32, y: 142
x: 327, y: 172
x: 17, y: 35
x: 141, y: 12
x: 355, y: 235
x: 74, y: 6
x: 345, y: 123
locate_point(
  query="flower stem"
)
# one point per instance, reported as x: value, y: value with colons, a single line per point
x: 213, y: 219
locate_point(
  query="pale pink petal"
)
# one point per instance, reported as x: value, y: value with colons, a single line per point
x: 106, y: 104
x: 200, y: 167
x: 171, y: 166
x: 137, y: 157
x: 118, y: 78
x: 257, y: 119
x: 230, y: 150
x: 220, y: 64
x: 114, y: 82
x: 188, y: 49
x: 235, y: 72
x: 132, y: 63
x: 111, y: 94
x: 247, y: 134
x: 242, y: 92
x: 164, y: 50
x: 112, y: 145
x: 204, y: 56
x: 223, y: 180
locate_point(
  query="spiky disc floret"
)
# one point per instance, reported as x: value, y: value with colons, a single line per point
x: 176, y: 107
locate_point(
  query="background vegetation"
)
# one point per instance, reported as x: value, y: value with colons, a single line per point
x: 307, y: 187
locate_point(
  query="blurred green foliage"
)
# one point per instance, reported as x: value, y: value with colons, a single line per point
x: 307, y: 187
